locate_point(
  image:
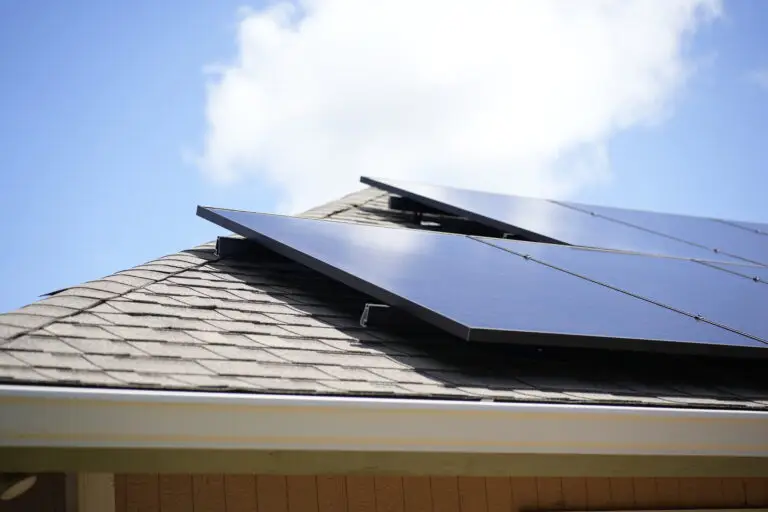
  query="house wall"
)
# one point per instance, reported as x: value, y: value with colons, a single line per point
x: 275, y: 493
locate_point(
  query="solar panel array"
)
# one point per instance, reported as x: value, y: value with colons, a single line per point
x: 496, y: 290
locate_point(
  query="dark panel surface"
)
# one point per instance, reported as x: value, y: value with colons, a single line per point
x: 543, y: 220
x: 708, y: 233
x: 688, y: 286
x: 477, y: 291
x: 753, y: 272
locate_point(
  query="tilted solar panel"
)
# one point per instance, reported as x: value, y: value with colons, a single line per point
x: 693, y: 288
x: 480, y: 292
x: 708, y: 233
x: 546, y: 221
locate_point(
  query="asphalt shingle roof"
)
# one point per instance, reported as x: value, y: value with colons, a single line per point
x: 194, y: 321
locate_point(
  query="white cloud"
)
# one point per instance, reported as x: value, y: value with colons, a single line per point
x: 760, y: 77
x: 517, y: 96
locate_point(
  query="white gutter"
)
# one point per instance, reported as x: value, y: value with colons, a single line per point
x: 80, y: 417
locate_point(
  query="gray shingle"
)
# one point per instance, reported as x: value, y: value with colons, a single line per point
x: 239, y: 340
x: 366, y: 388
x: 318, y: 332
x: 245, y: 316
x: 105, y: 285
x: 352, y: 374
x: 143, y: 274
x: 405, y: 376
x: 178, y: 350
x: 21, y: 374
x: 24, y: 321
x: 105, y: 347
x: 39, y: 344
x: 87, y: 293
x: 79, y: 331
x: 259, y: 369
x: 332, y: 358
x: 45, y: 310
x: 72, y: 302
x: 66, y: 375
x: 85, y: 319
x: 286, y: 385
x: 140, y: 296
x: 147, y: 334
x: 214, y: 382
x: 246, y: 327
x: 156, y: 322
x: 169, y: 367
x: 145, y: 379
x: 292, y: 343
x: 245, y: 354
x: 6, y: 331
x: 6, y: 359
x: 129, y: 282
x: 166, y: 289
x: 45, y: 360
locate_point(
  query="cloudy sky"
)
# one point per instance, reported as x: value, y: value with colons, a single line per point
x: 120, y: 117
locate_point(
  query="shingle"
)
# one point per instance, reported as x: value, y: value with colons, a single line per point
x: 39, y: 344
x: 144, y: 308
x: 286, y: 385
x: 182, y: 280
x: 155, y: 267
x: 45, y: 310
x: 199, y: 302
x: 246, y: 327
x: 178, y: 350
x: 130, y: 282
x: 143, y: 274
x: 249, y: 295
x: 352, y: 374
x: 105, y: 347
x: 147, y: 334
x: 214, y: 382
x: 292, y: 343
x: 148, y: 365
x: 219, y: 294
x: 145, y: 379
x: 87, y: 293
x: 301, y: 320
x: 103, y: 308
x: 156, y: 322
x: 349, y: 360
x: 66, y: 375
x: 405, y: 376
x: 353, y: 346
x: 165, y: 289
x: 352, y: 386
x: 244, y: 316
x: 139, y: 296
x: 105, y: 285
x: 6, y: 331
x: 20, y: 374
x: 45, y: 360
x: 259, y: 369
x: 85, y: 319
x: 72, y: 302
x: 246, y: 354
x: 317, y: 332
x: 7, y: 359
x: 433, y: 390
x: 24, y: 321
x: 79, y: 331
x: 170, y: 261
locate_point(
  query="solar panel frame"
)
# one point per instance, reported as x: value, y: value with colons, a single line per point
x: 467, y: 332
x: 576, y: 219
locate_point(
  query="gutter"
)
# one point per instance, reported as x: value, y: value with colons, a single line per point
x: 107, y: 418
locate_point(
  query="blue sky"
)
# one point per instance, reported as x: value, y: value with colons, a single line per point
x: 102, y: 102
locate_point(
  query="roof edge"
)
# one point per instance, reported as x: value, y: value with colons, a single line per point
x: 35, y: 416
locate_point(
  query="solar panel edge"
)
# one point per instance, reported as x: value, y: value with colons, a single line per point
x: 455, y: 210
x: 417, y: 310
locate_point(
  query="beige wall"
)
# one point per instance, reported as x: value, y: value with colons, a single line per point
x: 274, y: 493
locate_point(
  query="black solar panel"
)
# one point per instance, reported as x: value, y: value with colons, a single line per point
x: 480, y: 292
x: 547, y: 221
x: 707, y: 233
x: 688, y: 286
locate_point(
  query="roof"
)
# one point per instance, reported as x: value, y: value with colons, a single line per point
x: 264, y: 324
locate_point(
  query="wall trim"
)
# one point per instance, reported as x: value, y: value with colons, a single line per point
x: 103, y: 418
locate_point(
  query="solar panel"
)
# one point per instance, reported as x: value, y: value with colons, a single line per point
x: 708, y: 233
x: 688, y: 286
x: 480, y: 292
x: 544, y: 221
